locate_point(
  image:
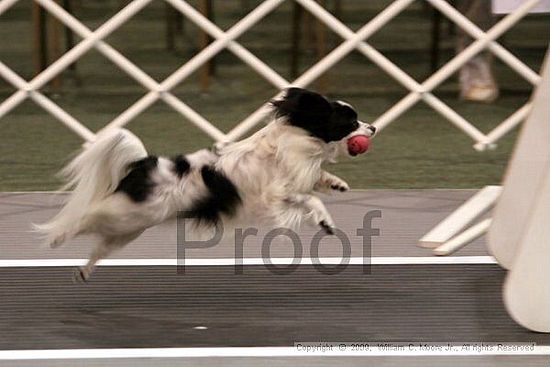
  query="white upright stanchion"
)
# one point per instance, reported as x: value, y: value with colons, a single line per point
x: 524, y: 180
x: 519, y: 237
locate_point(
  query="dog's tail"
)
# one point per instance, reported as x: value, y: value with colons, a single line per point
x: 92, y: 175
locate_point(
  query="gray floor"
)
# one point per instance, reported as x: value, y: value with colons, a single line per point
x: 148, y: 306
x: 406, y: 216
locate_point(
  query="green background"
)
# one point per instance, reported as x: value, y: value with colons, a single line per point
x: 421, y: 149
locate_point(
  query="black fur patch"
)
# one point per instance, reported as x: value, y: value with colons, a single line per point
x: 324, y: 119
x: 222, y: 197
x: 138, y: 184
x: 181, y: 165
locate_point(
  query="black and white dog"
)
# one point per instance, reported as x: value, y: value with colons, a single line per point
x: 119, y: 190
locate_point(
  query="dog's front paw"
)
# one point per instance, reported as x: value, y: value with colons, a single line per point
x: 330, y: 182
x: 336, y: 183
x: 340, y: 186
x: 320, y: 215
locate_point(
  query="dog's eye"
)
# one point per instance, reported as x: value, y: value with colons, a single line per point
x: 355, y: 125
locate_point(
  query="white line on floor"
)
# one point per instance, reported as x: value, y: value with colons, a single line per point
x: 246, y: 352
x: 459, y: 260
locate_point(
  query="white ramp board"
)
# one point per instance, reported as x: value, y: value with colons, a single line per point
x: 460, y: 218
x: 524, y: 179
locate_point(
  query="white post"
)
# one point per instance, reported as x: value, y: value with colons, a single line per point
x: 522, y: 218
x: 523, y: 183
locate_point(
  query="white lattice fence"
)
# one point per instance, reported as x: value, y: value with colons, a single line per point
x: 227, y: 40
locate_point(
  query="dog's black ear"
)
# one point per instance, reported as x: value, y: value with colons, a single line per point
x: 302, y: 107
x: 326, y: 120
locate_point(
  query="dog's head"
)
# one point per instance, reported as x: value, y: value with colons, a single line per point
x: 329, y: 121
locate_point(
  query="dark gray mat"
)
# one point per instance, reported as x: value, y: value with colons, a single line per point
x: 156, y: 307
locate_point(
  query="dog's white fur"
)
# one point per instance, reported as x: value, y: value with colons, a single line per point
x: 276, y: 171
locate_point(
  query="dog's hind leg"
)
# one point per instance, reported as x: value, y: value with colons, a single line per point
x: 103, y: 249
